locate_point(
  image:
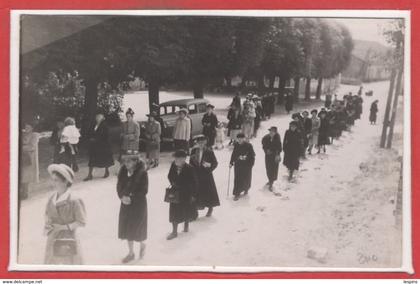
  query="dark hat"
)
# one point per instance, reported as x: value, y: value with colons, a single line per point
x: 240, y: 135
x: 129, y: 111
x: 210, y: 106
x: 273, y: 128
x: 305, y: 111
x: 180, y: 154
x: 296, y: 115
x: 293, y: 123
x: 322, y: 112
x: 314, y: 111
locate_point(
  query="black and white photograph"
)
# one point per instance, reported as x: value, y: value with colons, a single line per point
x: 220, y: 141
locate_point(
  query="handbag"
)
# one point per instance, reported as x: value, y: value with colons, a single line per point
x: 64, y: 246
x: 172, y: 195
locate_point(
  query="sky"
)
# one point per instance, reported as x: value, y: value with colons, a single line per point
x: 366, y: 29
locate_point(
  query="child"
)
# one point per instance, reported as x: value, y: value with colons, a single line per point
x: 70, y: 136
x: 220, y: 136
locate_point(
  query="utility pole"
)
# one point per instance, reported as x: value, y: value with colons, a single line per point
x: 388, y: 108
x: 398, y: 90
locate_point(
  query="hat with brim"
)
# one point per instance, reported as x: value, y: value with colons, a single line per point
x: 180, y: 154
x: 273, y: 128
x: 210, y: 106
x: 255, y: 97
x: 65, y: 171
x: 293, y: 123
x: 152, y: 114
x: 240, y: 135
x: 185, y: 111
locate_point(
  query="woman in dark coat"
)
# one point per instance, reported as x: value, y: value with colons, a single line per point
x: 323, y: 138
x: 235, y: 123
x: 373, y: 112
x: 100, y: 152
x: 271, y: 144
x: 204, y: 163
x: 132, y: 187
x: 243, y: 158
x: 289, y: 102
x: 184, y: 181
x: 292, y: 148
x: 209, y: 122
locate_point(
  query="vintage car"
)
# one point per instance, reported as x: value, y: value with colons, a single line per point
x: 168, y: 113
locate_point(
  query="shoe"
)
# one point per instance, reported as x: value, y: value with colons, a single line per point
x: 236, y: 198
x: 172, y: 236
x: 270, y: 188
x: 142, y: 251
x: 88, y: 178
x: 128, y: 258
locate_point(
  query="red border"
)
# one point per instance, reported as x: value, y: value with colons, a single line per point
x: 7, y: 5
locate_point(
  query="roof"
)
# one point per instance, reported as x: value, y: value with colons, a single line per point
x: 184, y: 102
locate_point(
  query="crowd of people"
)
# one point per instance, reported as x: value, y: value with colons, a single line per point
x: 192, y: 185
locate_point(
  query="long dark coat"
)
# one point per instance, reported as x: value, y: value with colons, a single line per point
x: 307, y: 128
x: 323, y: 138
x: 206, y: 191
x: 209, y: 122
x: 186, y: 183
x: 100, y: 152
x: 259, y: 115
x: 235, y: 122
x: 292, y: 149
x: 373, y: 112
x: 289, y: 103
x: 243, y: 167
x: 272, y: 148
x: 132, y: 223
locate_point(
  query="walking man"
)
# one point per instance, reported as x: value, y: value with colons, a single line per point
x: 272, y: 148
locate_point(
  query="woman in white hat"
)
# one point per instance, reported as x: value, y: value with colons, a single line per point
x: 64, y: 214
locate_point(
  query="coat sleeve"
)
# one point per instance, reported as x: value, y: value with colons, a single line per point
x: 234, y: 155
x: 48, y: 222
x: 171, y: 176
x: 119, y: 183
x: 79, y: 212
x: 286, y: 140
x: 251, y: 155
x: 194, y: 182
x: 264, y: 144
x: 279, y: 146
x: 213, y: 161
x: 141, y: 185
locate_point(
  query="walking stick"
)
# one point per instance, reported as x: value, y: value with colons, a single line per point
x: 227, y: 193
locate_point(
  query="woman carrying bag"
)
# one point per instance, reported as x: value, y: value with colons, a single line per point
x: 181, y: 195
x: 64, y: 214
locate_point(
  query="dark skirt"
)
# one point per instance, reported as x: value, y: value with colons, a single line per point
x: 206, y: 192
x: 100, y: 155
x: 323, y: 139
x: 132, y: 224
x: 291, y: 160
x: 271, y: 167
x: 243, y: 178
x: 182, y: 212
x: 372, y: 117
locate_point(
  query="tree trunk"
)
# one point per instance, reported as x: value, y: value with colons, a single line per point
x: 319, y: 88
x: 91, y: 103
x: 296, y: 89
x: 198, y: 89
x: 282, y: 85
x: 308, y: 89
x: 272, y: 80
x: 261, y: 85
x: 153, y: 88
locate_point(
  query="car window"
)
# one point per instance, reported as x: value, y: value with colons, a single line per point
x: 202, y: 108
x: 192, y: 109
x: 162, y: 110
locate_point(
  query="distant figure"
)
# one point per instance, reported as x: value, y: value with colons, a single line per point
x: 292, y: 149
x: 153, y: 133
x: 259, y: 114
x: 323, y: 138
x: 328, y: 100
x: 182, y: 131
x: 235, y: 123
x: 289, y: 102
x: 55, y: 141
x: 100, y: 152
x: 272, y: 148
x: 360, y: 91
x: 249, y: 115
x: 130, y: 135
x: 373, y: 112
x: 313, y: 138
x: 28, y: 160
x: 69, y: 140
x: 243, y: 158
x: 220, y: 136
x: 209, y: 122
x: 64, y: 214
x: 236, y: 101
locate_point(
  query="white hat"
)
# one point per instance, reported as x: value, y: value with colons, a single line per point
x: 63, y: 170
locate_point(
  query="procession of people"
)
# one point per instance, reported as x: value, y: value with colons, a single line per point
x: 192, y: 187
